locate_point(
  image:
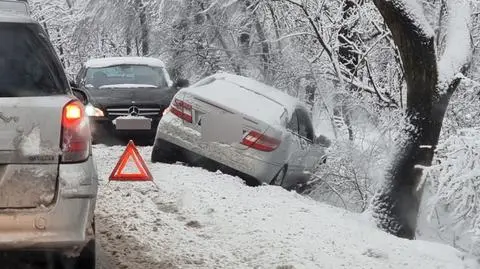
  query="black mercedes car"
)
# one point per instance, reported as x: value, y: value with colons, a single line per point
x: 125, y: 96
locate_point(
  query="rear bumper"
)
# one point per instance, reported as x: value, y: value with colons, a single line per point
x: 66, y: 224
x: 206, y: 163
x: 213, y: 156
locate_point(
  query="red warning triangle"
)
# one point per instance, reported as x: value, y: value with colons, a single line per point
x: 131, y: 153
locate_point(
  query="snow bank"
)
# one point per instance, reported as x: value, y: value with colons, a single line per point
x: 197, y: 219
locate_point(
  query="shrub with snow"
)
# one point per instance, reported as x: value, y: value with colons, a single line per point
x: 454, y: 180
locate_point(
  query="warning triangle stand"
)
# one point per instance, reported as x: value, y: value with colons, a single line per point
x: 130, y: 155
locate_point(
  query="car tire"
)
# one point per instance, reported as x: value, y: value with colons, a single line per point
x: 88, y: 257
x: 163, y: 152
x: 279, y: 178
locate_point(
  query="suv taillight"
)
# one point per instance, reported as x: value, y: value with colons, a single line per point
x: 260, y: 141
x: 181, y: 109
x: 76, y: 136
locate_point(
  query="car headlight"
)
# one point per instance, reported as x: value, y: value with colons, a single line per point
x: 93, y: 111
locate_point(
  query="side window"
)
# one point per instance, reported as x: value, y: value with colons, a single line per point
x: 305, y: 125
x: 293, y: 123
x: 28, y: 63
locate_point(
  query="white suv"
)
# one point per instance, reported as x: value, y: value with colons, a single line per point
x: 48, y: 182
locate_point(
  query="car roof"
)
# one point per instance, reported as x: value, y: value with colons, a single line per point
x: 15, y: 12
x: 6, y: 17
x: 111, y: 61
x: 290, y: 103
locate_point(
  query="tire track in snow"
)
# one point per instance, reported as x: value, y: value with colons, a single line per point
x: 119, y: 233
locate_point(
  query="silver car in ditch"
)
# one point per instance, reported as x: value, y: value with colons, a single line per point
x: 276, y: 143
x: 48, y: 182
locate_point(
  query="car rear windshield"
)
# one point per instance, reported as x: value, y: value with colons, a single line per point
x: 126, y: 75
x: 28, y: 65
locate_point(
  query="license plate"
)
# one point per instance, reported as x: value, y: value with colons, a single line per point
x: 222, y: 128
x: 133, y: 124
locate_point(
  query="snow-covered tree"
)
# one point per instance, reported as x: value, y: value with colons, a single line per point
x: 431, y: 81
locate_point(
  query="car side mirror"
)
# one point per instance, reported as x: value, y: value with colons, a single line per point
x: 81, y: 96
x: 323, y: 141
x: 182, y: 83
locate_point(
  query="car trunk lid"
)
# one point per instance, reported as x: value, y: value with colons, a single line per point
x: 257, y: 112
x: 30, y: 132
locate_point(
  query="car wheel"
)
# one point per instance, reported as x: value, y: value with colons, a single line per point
x: 164, y: 153
x: 87, y: 258
x: 279, y: 177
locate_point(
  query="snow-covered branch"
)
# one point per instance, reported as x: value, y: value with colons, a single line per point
x: 458, y: 47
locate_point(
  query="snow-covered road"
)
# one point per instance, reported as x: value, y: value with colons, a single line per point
x: 197, y: 219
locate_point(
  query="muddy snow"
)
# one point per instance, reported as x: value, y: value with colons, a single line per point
x: 195, y: 219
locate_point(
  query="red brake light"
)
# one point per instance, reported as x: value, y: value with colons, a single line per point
x: 72, y: 112
x: 260, y: 142
x: 182, y: 110
x: 76, y: 136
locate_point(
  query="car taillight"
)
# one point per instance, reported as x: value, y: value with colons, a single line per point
x: 260, y: 142
x: 76, y: 136
x: 182, y: 110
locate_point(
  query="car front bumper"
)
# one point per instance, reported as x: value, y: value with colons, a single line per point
x: 64, y: 225
x: 103, y: 126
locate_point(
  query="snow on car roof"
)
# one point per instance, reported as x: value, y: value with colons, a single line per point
x: 111, y: 61
x: 283, y: 99
x: 15, y: 9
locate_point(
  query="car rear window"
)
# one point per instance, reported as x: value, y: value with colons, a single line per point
x: 28, y: 64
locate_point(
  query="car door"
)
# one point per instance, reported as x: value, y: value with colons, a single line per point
x: 295, y: 167
x: 312, y: 154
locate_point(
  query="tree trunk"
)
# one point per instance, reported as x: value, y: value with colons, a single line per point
x: 129, y: 45
x: 396, y: 206
x: 144, y: 38
x: 348, y: 57
x: 60, y: 48
x: 265, y: 55
x: 347, y: 53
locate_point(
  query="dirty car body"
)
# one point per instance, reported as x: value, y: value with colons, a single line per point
x: 276, y: 144
x: 48, y: 182
x: 126, y: 95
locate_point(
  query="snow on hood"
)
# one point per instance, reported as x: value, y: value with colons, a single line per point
x: 111, y: 61
x: 198, y: 219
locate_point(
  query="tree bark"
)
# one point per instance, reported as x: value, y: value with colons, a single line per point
x: 349, y: 58
x: 396, y: 206
x: 144, y: 38
x: 347, y: 54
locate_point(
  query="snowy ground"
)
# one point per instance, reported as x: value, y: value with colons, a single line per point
x: 197, y: 219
